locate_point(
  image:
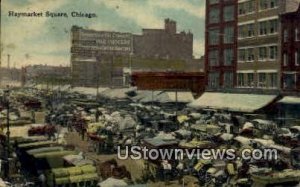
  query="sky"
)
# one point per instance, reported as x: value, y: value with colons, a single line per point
x: 42, y: 40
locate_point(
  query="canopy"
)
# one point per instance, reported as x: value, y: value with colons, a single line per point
x: 232, y: 102
x: 36, y: 144
x: 111, y: 182
x: 290, y: 100
x: 169, y: 97
x: 45, y: 150
x: 53, y: 154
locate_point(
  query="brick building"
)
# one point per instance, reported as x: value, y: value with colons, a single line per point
x: 100, y: 57
x: 255, y: 46
x: 259, y: 42
x: 221, y: 43
x: 290, y: 43
x: 164, y: 43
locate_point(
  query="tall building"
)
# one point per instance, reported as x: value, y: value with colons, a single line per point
x: 290, y: 51
x: 243, y: 43
x: 221, y: 43
x: 259, y: 42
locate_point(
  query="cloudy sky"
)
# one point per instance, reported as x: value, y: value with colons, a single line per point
x: 47, y: 40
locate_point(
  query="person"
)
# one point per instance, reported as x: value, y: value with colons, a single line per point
x: 97, y: 114
x: 33, y: 116
x: 42, y: 179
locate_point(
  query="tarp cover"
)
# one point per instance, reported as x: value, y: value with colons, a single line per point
x: 290, y: 100
x: 232, y: 101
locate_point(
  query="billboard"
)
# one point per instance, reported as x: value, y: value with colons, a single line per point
x: 93, y: 43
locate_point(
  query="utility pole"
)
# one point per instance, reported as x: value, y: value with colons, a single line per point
x: 8, y: 62
x: 6, y: 92
x: 176, y: 100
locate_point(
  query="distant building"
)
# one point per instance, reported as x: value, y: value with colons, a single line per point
x: 164, y: 43
x: 40, y: 73
x: 290, y: 44
x: 100, y: 57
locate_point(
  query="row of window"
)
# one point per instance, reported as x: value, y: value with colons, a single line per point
x: 214, y: 36
x: 264, y: 53
x: 215, y: 16
x: 212, y: 2
x: 264, y: 80
x: 214, y: 60
x: 248, y: 7
x: 214, y: 79
x: 287, y: 59
x: 265, y: 28
x: 296, y: 33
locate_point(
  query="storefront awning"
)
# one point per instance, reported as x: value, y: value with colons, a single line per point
x: 232, y: 102
x: 290, y: 100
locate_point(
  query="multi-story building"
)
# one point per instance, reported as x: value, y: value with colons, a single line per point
x: 221, y: 43
x: 290, y: 51
x: 99, y: 57
x: 259, y: 42
x: 243, y: 43
x: 164, y: 43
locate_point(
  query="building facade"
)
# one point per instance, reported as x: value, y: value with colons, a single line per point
x: 243, y: 44
x: 164, y: 43
x: 290, y: 51
x: 221, y: 43
x: 99, y: 57
x: 259, y: 42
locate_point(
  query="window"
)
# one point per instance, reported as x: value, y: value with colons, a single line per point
x: 289, y: 80
x: 285, y: 59
x: 266, y: 4
x: 250, y: 54
x: 273, y: 80
x: 262, y: 53
x: 273, y: 3
x: 262, y: 79
x: 228, y: 57
x: 263, y: 4
x: 297, y: 57
x: 241, y: 31
x: 242, y: 55
x: 246, y: 30
x: 263, y: 28
x: 285, y: 35
x: 242, y: 8
x: 214, y: 15
x: 228, y: 13
x: 214, y: 36
x: 211, y: 2
x: 246, y: 7
x: 228, y: 35
x: 250, y: 79
x: 228, y: 79
x: 240, y: 78
x: 273, y: 26
x: 250, y: 28
x: 213, y: 58
x: 213, y: 79
x: 273, y: 52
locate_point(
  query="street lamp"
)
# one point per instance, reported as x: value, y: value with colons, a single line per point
x: 6, y: 101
